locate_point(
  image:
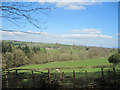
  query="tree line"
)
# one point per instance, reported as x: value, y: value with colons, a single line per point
x: 16, y: 56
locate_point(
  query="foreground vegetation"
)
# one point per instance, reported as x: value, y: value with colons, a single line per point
x: 40, y: 79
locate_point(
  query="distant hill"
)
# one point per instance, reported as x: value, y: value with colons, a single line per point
x: 48, y: 45
x: 19, y: 53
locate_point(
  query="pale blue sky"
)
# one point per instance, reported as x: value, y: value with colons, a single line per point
x: 92, y: 24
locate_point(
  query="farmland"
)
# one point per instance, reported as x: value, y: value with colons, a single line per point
x: 54, y: 65
x: 77, y: 63
x: 67, y: 74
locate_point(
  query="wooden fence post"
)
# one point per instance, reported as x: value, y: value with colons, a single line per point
x: 114, y: 74
x: 108, y: 75
x: 86, y: 75
x: 12, y: 81
x: 49, y: 76
x: 102, y: 73
x: 33, y: 79
x: 6, y: 77
x: 16, y: 72
x: 17, y: 78
x: 74, y: 80
x: 60, y: 76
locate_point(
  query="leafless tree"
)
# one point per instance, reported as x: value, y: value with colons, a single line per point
x: 20, y: 13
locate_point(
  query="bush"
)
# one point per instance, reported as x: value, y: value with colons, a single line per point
x: 115, y: 58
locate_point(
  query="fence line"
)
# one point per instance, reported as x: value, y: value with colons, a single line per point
x: 61, y: 76
x: 95, y: 66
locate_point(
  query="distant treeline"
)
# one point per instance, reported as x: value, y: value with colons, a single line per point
x: 15, y: 56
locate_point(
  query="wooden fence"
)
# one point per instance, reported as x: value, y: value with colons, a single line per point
x: 49, y: 75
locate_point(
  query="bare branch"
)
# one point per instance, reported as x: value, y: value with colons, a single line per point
x: 31, y: 12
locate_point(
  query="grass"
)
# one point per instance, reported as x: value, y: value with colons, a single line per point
x: 53, y: 50
x: 77, y: 63
x: 93, y: 73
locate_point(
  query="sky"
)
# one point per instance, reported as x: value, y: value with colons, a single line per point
x: 85, y: 23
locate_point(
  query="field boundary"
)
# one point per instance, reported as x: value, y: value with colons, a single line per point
x: 95, y: 66
x: 61, y: 77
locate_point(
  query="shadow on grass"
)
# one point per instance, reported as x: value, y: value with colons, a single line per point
x: 81, y: 80
x: 27, y: 80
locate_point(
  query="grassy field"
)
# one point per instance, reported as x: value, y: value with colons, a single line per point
x: 77, y: 63
x: 93, y: 73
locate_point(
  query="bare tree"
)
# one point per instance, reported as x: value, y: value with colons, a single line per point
x: 21, y: 12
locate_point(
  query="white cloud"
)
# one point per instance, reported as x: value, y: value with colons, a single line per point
x: 22, y: 32
x: 77, y: 39
x: 62, y: 4
x: 91, y: 31
x: 86, y: 36
x: 86, y: 33
x: 67, y: 4
x: 29, y: 31
x: 75, y: 7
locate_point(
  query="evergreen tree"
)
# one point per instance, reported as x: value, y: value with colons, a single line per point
x: 4, y: 50
x: 26, y: 50
x: 9, y: 49
x: 34, y: 49
x: 19, y: 47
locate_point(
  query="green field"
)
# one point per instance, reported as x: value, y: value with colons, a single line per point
x: 93, y: 73
x: 77, y: 63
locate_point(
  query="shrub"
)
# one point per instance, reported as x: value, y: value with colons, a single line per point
x: 115, y: 58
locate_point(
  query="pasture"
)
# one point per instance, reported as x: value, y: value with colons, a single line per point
x: 69, y: 78
x: 87, y: 64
